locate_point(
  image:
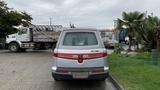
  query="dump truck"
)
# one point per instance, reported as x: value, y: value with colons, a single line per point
x: 33, y: 37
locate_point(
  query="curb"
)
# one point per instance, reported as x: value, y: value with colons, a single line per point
x: 115, y: 83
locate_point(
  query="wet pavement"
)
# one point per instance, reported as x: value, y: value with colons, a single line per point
x: 31, y: 70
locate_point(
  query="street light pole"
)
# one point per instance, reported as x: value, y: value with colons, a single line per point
x: 50, y: 21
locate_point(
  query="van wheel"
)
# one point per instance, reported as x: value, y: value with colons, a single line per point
x: 55, y: 78
x: 105, y: 77
x: 13, y: 47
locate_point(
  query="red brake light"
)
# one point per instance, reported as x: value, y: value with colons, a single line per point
x: 55, y: 54
x: 66, y: 56
x: 80, y: 56
x: 93, y: 56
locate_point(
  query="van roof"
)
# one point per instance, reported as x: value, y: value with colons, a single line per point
x: 74, y: 29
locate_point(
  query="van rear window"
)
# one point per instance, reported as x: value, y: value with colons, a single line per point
x: 80, y: 39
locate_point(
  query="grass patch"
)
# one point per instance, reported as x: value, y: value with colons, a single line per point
x: 135, y: 72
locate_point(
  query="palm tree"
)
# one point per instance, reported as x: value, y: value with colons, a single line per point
x: 152, y: 29
x: 130, y: 21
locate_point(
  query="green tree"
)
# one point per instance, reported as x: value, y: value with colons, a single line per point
x: 129, y: 22
x: 10, y: 18
x: 152, y: 31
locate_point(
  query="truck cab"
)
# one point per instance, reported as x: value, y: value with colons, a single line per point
x: 20, y: 40
x: 21, y: 35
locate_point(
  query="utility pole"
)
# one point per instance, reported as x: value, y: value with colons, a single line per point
x: 50, y: 21
x: 115, y: 24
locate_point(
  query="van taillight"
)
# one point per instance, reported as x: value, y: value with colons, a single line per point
x: 79, y: 56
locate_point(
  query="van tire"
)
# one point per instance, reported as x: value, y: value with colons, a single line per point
x: 55, y: 78
x: 13, y: 47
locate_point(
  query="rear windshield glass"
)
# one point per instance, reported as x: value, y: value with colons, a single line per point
x: 80, y: 39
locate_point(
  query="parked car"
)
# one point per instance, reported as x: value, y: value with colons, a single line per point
x: 108, y: 38
x: 111, y: 43
x: 80, y: 54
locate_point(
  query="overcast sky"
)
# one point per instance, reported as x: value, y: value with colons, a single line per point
x: 83, y: 13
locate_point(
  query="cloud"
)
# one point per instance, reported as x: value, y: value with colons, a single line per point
x: 83, y: 13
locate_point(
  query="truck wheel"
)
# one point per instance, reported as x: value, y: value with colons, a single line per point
x: 13, y: 47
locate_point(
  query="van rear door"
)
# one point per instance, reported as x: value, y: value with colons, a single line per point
x: 80, y: 49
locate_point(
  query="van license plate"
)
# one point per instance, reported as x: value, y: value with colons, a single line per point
x: 80, y: 75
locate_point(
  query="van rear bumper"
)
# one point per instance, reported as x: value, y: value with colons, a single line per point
x: 93, y: 73
x: 90, y: 77
x: 87, y: 69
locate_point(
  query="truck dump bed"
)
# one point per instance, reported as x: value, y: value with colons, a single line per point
x: 46, y: 33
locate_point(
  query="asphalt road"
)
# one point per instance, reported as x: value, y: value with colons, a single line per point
x: 31, y: 70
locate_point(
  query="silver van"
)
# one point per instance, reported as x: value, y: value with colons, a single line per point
x: 80, y: 54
